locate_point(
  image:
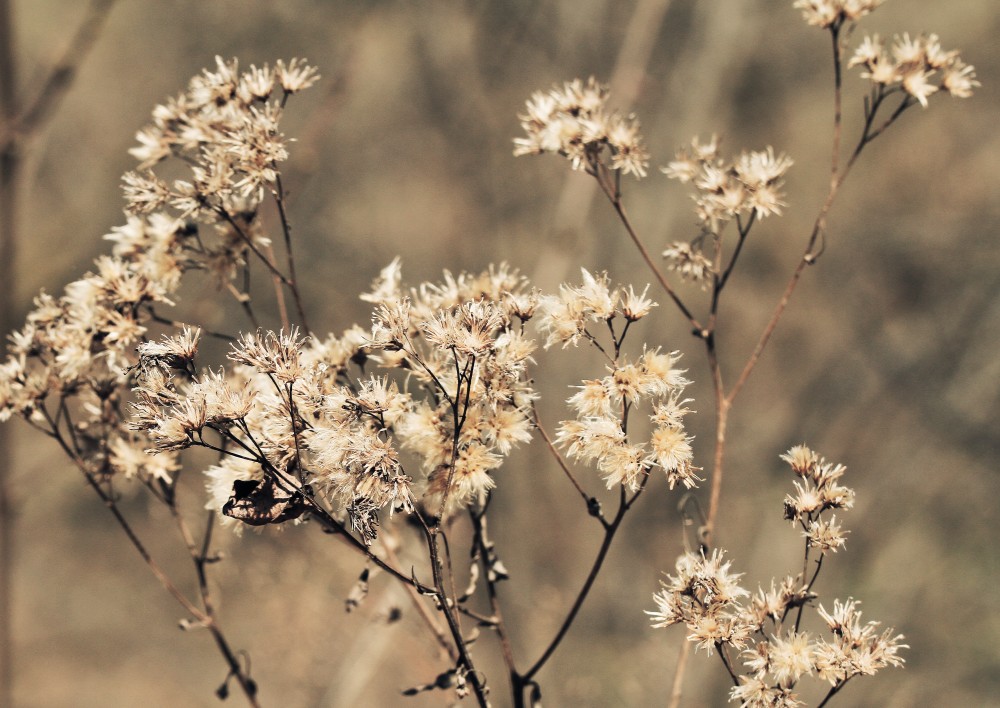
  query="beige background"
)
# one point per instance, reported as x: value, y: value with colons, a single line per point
x: 886, y: 360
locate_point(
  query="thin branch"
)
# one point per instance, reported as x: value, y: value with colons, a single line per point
x: 833, y: 691
x: 252, y: 246
x: 286, y: 230
x: 678, y: 684
x: 588, y: 500
x: 619, y: 208
x: 602, y: 553
x: 482, y: 544
x: 425, y: 615
x: 18, y: 127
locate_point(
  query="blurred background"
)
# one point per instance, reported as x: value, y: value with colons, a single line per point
x: 886, y: 360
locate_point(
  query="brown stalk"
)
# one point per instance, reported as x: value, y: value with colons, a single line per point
x: 425, y: 615
x: 205, y: 617
x: 610, y: 530
x: 286, y: 230
x: 559, y: 458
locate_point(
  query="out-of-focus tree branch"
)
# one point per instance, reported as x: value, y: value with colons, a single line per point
x: 17, y: 125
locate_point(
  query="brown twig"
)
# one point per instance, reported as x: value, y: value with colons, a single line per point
x: 286, y: 230
x: 624, y: 504
x: 615, y: 198
x: 587, y: 499
x: 418, y: 604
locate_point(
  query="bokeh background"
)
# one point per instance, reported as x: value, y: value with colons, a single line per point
x: 885, y: 361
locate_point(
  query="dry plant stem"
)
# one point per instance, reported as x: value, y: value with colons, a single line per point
x: 243, y: 298
x: 203, y: 618
x: 318, y: 512
x: 833, y: 692
x: 725, y: 400
x: 338, y: 529
x: 439, y: 636
x: 837, y: 101
x: 724, y: 657
x: 610, y: 530
x: 432, y: 534
x: 588, y: 500
x: 324, y: 517
x: 16, y: 127
x: 252, y: 246
x: 722, y: 406
x: 279, y: 296
x: 200, y: 559
x: 600, y: 172
x: 678, y: 683
x: 810, y: 255
x: 286, y: 230
x: 506, y: 649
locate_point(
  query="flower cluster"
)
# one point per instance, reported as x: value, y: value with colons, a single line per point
x: 688, y: 261
x: 833, y: 13
x: 225, y: 131
x: 776, y: 653
x: 598, y: 433
x: 460, y: 342
x: 857, y: 649
x: 226, y: 126
x: 294, y: 435
x: 920, y: 66
x: 748, y: 184
x: 745, y: 188
x: 704, y: 596
x: 565, y: 316
x: 573, y: 121
x: 67, y: 366
x: 816, y: 491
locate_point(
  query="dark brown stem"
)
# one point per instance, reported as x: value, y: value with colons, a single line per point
x: 425, y: 615
x: 615, y: 198
x: 506, y: 649
x: 588, y: 500
x: 203, y: 618
x: 833, y: 691
x: 245, y: 238
x: 286, y: 230
x: 610, y: 531
x: 837, y: 101
x: 199, y: 557
x: 445, y: 601
x: 721, y: 650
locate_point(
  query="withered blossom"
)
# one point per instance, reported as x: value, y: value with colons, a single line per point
x: 919, y: 65
x: 573, y: 121
x: 706, y: 597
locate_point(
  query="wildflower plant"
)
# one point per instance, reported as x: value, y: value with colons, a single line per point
x: 396, y: 431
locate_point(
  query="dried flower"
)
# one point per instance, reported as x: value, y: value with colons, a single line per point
x: 830, y: 13
x: 918, y: 65
x: 572, y: 121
